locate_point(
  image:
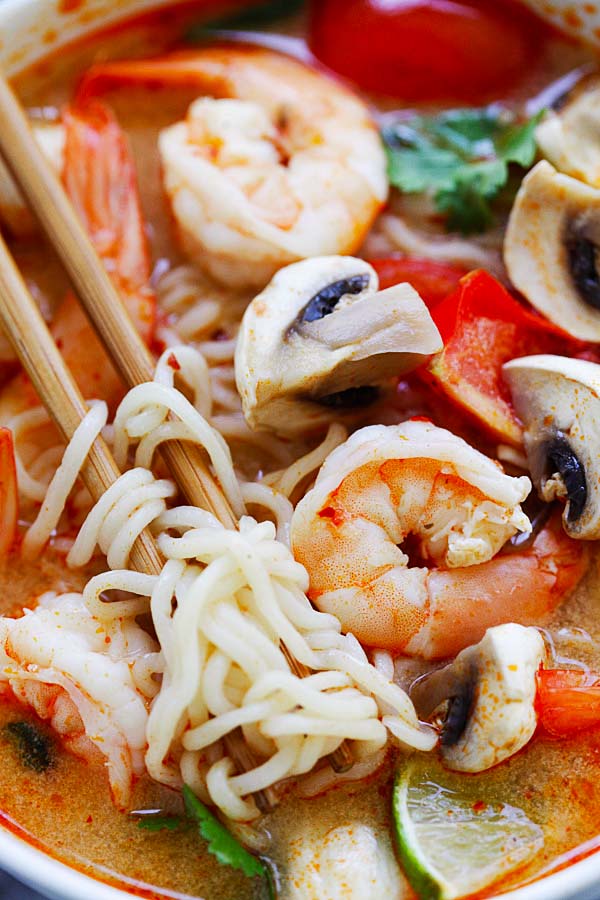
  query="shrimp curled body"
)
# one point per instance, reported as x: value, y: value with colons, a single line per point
x: 457, y: 508
x: 273, y: 164
x: 90, y: 680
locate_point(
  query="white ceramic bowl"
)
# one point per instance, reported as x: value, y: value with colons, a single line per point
x: 24, y: 29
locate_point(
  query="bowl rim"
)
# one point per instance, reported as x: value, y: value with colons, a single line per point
x: 21, y: 858
x: 42, y: 871
x: 48, y: 874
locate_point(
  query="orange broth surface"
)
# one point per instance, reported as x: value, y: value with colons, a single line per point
x: 67, y: 810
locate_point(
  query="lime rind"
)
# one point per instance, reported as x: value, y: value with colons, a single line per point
x: 427, y: 883
x: 450, y: 848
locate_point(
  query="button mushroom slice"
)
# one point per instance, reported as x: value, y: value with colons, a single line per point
x: 558, y: 400
x: 322, y: 335
x: 569, y: 136
x: 352, y: 861
x: 552, y: 249
x: 488, y: 698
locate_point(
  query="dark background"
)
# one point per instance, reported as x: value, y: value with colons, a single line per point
x: 14, y: 890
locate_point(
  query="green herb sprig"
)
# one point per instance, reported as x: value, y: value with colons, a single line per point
x: 220, y: 842
x: 461, y: 157
x: 159, y: 822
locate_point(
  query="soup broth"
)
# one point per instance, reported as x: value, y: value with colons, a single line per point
x: 67, y: 809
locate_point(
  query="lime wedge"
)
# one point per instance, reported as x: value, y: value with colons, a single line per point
x: 450, y: 847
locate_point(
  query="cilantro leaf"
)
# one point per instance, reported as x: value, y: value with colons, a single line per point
x: 414, y: 171
x: 221, y: 842
x: 467, y: 202
x: 469, y: 132
x: 461, y: 157
x: 517, y: 142
x: 158, y: 823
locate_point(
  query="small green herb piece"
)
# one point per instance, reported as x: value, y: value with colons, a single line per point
x: 259, y: 15
x: 158, y: 822
x: 221, y: 843
x: 35, y: 748
x: 462, y: 157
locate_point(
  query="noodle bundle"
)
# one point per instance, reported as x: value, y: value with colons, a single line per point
x: 222, y: 606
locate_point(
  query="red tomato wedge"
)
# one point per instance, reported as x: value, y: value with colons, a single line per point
x: 422, y: 50
x: 9, y: 502
x: 567, y: 700
x: 483, y: 327
x: 432, y: 280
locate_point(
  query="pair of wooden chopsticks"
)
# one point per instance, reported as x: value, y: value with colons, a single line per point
x: 52, y: 380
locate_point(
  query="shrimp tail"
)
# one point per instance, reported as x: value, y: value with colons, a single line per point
x: 524, y: 588
x: 177, y: 70
x: 101, y: 181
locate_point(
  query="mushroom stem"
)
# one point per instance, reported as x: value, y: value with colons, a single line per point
x: 489, y: 696
x: 558, y: 400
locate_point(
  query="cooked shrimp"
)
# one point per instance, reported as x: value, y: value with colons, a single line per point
x: 387, y: 484
x: 289, y: 166
x: 100, y: 178
x: 84, y: 677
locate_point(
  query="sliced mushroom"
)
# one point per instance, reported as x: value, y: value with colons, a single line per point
x: 487, y: 696
x: 321, y: 335
x: 552, y: 249
x: 569, y: 136
x: 351, y: 861
x: 14, y: 212
x: 558, y: 400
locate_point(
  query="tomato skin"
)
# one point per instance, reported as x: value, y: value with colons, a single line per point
x: 567, y: 700
x: 426, y: 50
x: 483, y: 327
x: 432, y: 280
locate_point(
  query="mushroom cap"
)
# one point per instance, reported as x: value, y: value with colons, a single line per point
x: 549, y: 210
x: 497, y: 679
x: 558, y: 400
x: 322, y: 327
x: 569, y: 137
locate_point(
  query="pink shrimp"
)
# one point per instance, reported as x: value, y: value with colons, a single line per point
x: 87, y: 678
x: 422, y: 487
x: 277, y: 163
x: 100, y: 178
